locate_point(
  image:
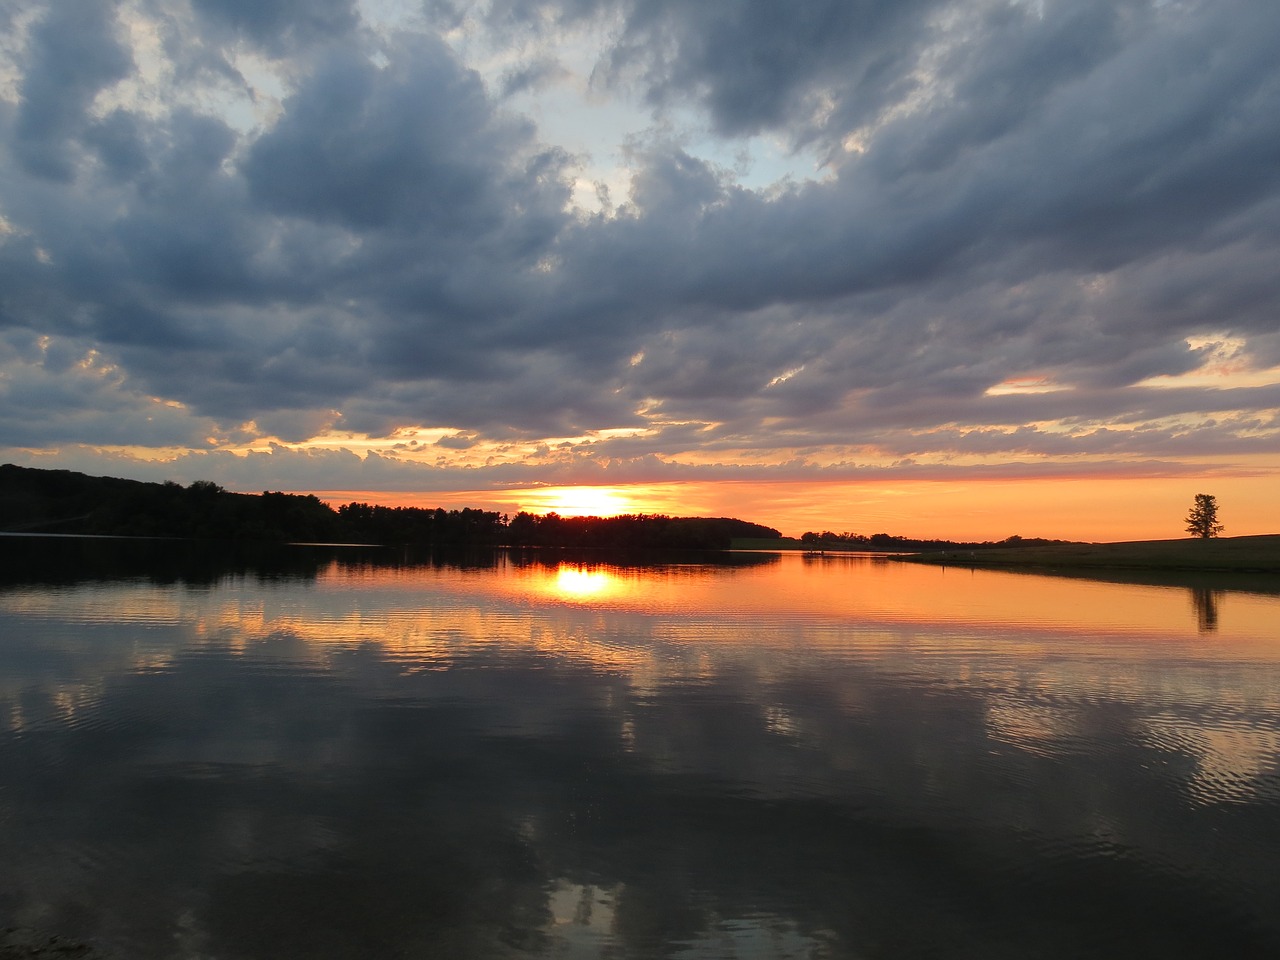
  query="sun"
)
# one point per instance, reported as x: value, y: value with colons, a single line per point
x: 585, y: 501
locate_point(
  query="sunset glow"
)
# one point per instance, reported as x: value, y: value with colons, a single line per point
x: 584, y: 501
x: 1095, y: 509
x: 612, y: 258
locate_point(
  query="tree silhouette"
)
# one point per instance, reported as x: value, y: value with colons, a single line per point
x: 1202, y: 521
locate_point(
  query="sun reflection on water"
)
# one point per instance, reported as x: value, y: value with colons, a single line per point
x: 581, y: 583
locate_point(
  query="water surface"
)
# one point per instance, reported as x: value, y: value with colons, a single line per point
x: 336, y: 753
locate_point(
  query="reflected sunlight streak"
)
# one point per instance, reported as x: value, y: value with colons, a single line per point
x: 578, y: 583
x: 1053, y: 647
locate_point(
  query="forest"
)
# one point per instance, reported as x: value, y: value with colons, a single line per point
x: 885, y: 541
x: 62, y: 501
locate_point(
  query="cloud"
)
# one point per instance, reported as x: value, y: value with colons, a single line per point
x: 73, y: 52
x: 411, y: 144
x: 533, y: 75
x: 280, y: 26
x: 754, y: 65
x: 289, y: 220
x: 54, y: 392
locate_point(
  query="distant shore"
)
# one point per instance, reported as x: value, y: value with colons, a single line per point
x: 1258, y: 554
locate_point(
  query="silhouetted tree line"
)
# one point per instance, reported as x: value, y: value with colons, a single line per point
x: 884, y: 541
x: 631, y: 531
x: 62, y: 501
x: 370, y: 523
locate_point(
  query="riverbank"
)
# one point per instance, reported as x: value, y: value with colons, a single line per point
x: 1259, y: 554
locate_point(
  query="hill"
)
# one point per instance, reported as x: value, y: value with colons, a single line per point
x: 63, y: 501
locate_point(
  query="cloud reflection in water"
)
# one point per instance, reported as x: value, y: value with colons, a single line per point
x: 471, y: 761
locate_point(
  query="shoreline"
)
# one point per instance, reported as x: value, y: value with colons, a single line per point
x: 1245, y: 555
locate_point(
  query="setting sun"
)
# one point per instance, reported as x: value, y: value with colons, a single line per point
x: 584, y: 501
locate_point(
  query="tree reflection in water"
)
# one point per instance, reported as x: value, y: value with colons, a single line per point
x: 1205, y: 601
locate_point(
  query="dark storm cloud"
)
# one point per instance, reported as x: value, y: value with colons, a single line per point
x: 753, y: 65
x: 72, y: 54
x: 281, y: 25
x: 365, y: 150
x: 390, y: 197
x: 1084, y: 193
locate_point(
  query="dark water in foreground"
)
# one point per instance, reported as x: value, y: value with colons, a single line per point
x: 334, y: 753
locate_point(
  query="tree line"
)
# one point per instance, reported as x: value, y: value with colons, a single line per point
x: 63, y: 501
x: 884, y: 541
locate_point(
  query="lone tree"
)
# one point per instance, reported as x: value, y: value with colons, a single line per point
x: 1202, y: 521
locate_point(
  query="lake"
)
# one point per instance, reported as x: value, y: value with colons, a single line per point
x: 320, y: 752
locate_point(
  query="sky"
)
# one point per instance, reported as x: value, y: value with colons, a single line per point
x: 955, y: 268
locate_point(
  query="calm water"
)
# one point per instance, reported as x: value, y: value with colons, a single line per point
x: 338, y: 753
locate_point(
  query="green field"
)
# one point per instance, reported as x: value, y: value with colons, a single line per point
x: 1221, y: 554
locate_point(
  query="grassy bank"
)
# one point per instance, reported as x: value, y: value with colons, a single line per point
x: 1222, y: 554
